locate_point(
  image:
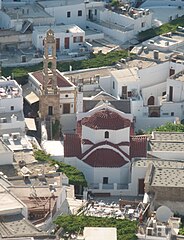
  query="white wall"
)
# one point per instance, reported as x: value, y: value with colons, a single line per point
x: 68, y: 123
x: 79, y: 102
x: 106, y: 83
x: 12, y: 125
x: 114, y: 33
x: 173, y: 155
x: 153, y: 75
x: 137, y: 108
x: 136, y: 174
x: 125, y: 21
x: 95, y: 175
x: 149, y: 3
x: 151, y: 122
x: 169, y: 107
x: 6, y: 158
x: 37, y: 39
x: 4, y: 21
x: 97, y: 136
x: 155, y: 91
x: 6, y: 103
x: 60, y: 14
x: 178, y: 90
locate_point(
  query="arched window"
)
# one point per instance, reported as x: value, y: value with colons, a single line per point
x: 151, y: 100
x: 106, y: 134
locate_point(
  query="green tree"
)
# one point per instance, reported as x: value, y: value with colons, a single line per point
x: 170, y: 127
x: 126, y: 229
x: 75, y: 176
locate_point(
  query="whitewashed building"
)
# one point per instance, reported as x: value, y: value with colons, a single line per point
x: 69, y: 38
x: 123, y: 25
x: 6, y: 154
x: 148, y: 88
x: 11, y: 107
x: 20, y: 16
x: 69, y: 12
x: 70, y: 99
x: 103, y: 147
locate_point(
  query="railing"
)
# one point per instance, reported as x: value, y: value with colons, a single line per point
x: 122, y: 186
x: 108, y: 186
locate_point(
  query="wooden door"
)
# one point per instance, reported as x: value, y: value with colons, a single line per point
x: 67, y: 42
x: 57, y: 44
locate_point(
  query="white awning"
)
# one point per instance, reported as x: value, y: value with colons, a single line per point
x: 32, y: 98
x: 30, y: 123
x: 29, y: 95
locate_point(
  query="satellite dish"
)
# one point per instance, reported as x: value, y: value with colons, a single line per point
x: 163, y: 214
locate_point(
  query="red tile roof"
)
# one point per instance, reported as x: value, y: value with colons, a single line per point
x: 106, y: 119
x: 138, y: 146
x: 61, y: 81
x: 86, y: 141
x: 72, y: 145
x: 124, y: 144
x: 102, y: 146
x: 105, y: 157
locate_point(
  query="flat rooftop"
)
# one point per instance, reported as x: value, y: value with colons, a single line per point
x: 166, y: 173
x: 17, y: 226
x: 126, y: 75
x: 10, y: 203
x: 8, y: 115
x: 179, y: 76
x: 42, y: 181
x: 88, y: 73
x: 3, y: 148
x: 168, y: 177
x: 54, y: 148
x: 166, y: 146
x: 72, y: 28
x: 164, y: 41
x: 159, y: 163
x: 26, y: 11
x: 57, y: 3
x: 167, y: 141
x: 161, y: 14
x: 171, y: 136
x: 100, y: 233
x: 9, y: 89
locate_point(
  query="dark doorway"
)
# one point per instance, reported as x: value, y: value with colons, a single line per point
x: 124, y: 92
x: 154, y: 114
x: 50, y: 110
x: 66, y: 108
x: 170, y: 94
x: 171, y: 72
x: 105, y: 180
x: 141, y: 186
x: 90, y: 16
x: 151, y: 100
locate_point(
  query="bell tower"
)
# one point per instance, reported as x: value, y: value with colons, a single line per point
x: 49, y: 98
x: 49, y: 64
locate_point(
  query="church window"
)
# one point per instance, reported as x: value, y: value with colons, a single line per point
x: 106, y: 134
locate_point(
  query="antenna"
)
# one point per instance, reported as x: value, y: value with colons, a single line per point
x: 163, y: 214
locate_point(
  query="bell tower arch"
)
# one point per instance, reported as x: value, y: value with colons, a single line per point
x: 49, y: 98
x: 49, y: 63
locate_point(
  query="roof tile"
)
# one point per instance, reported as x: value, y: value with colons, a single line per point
x: 105, y: 157
x: 61, y: 81
x: 106, y: 119
x: 72, y: 145
x: 138, y: 146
